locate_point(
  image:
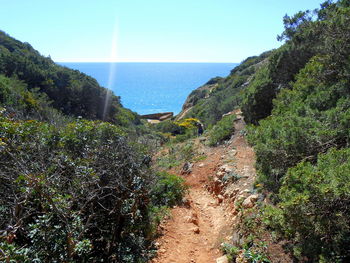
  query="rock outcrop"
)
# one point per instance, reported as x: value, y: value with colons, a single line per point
x: 162, y: 116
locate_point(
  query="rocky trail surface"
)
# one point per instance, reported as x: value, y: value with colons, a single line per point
x: 195, y: 230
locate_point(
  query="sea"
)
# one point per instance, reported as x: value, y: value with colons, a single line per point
x: 148, y: 88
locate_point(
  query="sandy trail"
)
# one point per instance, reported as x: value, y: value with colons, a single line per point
x: 195, y: 231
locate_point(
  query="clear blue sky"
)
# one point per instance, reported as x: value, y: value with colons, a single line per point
x: 149, y: 30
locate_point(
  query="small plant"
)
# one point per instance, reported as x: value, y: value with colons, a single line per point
x: 256, y: 253
x: 255, y: 257
x: 12, y: 253
x: 156, y: 215
x: 187, y: 152
x: 231, y: 177
x: 169, y: 190
x: 230, y: 250
x: 200, y: 158
x: 177, y: 154
x: 167, y: 162
x: 222, y: 130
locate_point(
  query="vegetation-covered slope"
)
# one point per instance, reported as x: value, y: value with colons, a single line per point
x: 72, y: 189
x: 297, y: 100
x: 221, y: 95
x: 302, y: 146
x: 71, y: 92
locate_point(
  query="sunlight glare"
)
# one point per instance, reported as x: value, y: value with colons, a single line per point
x: 112, y: 69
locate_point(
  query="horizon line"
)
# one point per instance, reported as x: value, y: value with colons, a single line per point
x: 70, y: 61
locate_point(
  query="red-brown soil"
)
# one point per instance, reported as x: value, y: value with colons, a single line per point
x: 195, y: 231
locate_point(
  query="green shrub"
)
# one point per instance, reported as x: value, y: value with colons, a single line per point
x: 189, y: 133
x: 294, y: 146
x: 156, y: 215
x: 310, y: 118
x: 169, y: 126
x: 231, y: 251
x: 169, y: 190
x: 187, y: 152
x: 223, y: 130
x: 252, y: 252
x: 126, y: 118
x: 258, y: 96
x: 177, y: 154
x: 314, y: 208
x: 256, y: 253
x: 74, y: 194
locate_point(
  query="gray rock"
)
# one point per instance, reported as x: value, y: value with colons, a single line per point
x: 222, y: 259
x: 249, y: 202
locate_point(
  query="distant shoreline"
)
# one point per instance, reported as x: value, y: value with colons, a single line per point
x: 152, y: 87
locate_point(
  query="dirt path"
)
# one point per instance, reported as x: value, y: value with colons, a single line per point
x: 195, y: 231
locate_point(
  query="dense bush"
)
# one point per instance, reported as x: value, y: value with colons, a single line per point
x: 310, y: 118
x: 76, y: 194
x: 222, y: 130
x: 22, y: 103
x: 189, y: 129
x: 177, y: 153
x: 177, y: 131
x: 169, y: 126
x: 306, y: 38
x: 257, y: 101
x: 313, y: 115
x: 169, y: 190
x: 302, y: 149
x: 314, y: 211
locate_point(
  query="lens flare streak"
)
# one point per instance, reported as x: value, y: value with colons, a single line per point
x: 112, y: 71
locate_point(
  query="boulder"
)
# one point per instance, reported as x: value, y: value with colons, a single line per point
x: 254, y: 198
x: 226, y: 168
x: 249, y: 202
x: 245, y: 191
x: 220, y: 174
x: 222, y: 259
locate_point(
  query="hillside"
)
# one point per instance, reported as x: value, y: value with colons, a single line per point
x: 221, y: 95
x: 296, y: 99
x: 302, y: 146
x: 75, y: 177
x: 69, y: 91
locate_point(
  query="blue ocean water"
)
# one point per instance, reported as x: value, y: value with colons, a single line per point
x: 152, y: 87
